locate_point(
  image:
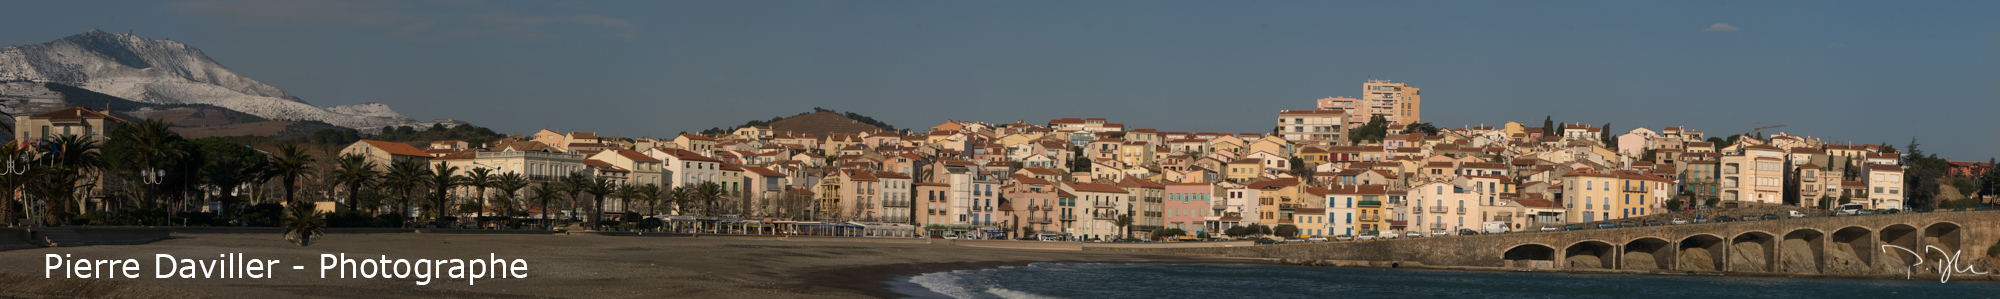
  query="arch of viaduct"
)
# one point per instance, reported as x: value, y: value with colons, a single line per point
x: 1818, y: 245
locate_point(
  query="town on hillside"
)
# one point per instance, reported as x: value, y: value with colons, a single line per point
x: 1348, y: 168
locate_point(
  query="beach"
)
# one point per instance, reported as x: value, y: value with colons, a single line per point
x: 559, y: 266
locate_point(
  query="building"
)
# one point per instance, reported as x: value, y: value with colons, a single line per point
x: 1187, y: 205
x: 1146, y: 206
x: 384, y: 153
x: 1754, y: 177
x: 1103, y: 203
x: 1312, y: 127
x: 1885, y: 186
x: 1588, y: 195
x: 1398, y: 102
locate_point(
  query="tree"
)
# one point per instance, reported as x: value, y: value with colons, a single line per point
x: 1718, y: 143
x: 682, y: 196
x: 356, y: 172
x: 575, y: 184
x: 1548, y: 126
x: 479, y: 179
x: 1124, y: 223
x: 708, y: 193
x: 291, y: 164
x: 1286, y: 230
x: 1604, y: 134
x: 1424, y: 128
x: 405, y: 176
x: 229, y: 166
x: 1373, y: 131
x: 1991, y: 180
x: 598, y: 188
x: 443, y: 178
x: 652, y: 194
x: 143, y: 147
x: 306, y: 225
x: 509, y: 183
x: 544, y: 193
x: 1164, y: 233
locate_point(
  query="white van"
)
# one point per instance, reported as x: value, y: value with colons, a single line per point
x: 1848, y: 210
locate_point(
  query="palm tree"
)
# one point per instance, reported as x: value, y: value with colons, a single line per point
x: 625, y: 193
x: 405, y: 176
x: 575, y: 184
x: 681, y: 197
x: 75, y: 154
x: 147, y: 145
x: 442, y: 179
x: 356, y: 172
x: 509, y: 183
x: 708, y: 193
x: 650, y: 193
x: 1124, y: 223
x: 545, y: 192
x: 479, y: 179
x: 290, y: 164
x: 598, y: 187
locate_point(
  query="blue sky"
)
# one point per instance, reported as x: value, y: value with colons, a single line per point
x: 1867, y: 72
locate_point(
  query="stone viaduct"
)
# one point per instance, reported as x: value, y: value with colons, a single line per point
x: 1816, y: 245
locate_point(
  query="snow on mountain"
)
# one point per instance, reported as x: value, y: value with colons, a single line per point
x: 169, y: 72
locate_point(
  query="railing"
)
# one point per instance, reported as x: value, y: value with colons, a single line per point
x: 1370, y: 218
x: 1042, y: 220
x: 1104, y: 216
x: 1103, y: 204
x: 1810, y: 178
x: 1440, y: 209
x: 1461, y: 210
x: 1290, y: 206
x: 1069, y: 217
x: 896, y: 203
x: 1417, y: 210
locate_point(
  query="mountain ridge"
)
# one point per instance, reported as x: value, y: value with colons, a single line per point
x: 162, y: 71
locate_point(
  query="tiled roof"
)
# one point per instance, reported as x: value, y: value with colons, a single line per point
x: 396, y: 148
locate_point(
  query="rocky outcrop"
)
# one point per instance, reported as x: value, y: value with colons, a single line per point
x: 1639, y: 261
x: 1844, y: 261
x: 1747, y: 257
x: 1797, y: 257
x: 1696, y: 259
x: 1583, y: 261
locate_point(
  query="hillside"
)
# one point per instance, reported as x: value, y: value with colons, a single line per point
x: 160, y: 71
x: 820, y: 124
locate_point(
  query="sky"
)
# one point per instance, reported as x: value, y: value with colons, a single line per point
x: 1845, y: 71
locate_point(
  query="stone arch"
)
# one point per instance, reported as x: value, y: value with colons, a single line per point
x: 1803, y: 251
x: 1946, y: 236
x: 1590, y: 254
x: 1900, y: 235
x: 1701, y: 252
x: 1751, y: 252
x: 1852, y: 251
x: 1531, y: 255
x: 1647, y: 253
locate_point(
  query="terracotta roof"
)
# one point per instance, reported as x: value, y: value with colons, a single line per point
x: 1276, y: 182
x: 697, y: 137
x: 396, y: 148
x: 1884, y: 167
x: 77, y: 113
x: 762, y: 171
x: 1088, y: 187
x: 1136, y: 182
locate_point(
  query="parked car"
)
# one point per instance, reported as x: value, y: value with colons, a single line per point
x: 1700, y: 218
x: 1364, y: 237
x: 1627, y: 224
x: 1316, y: 239
x: 1678, y: 221
x: 1848, y: 210
x: 1769, y: 216
x: 1343, y: 238
x: 1413, y: 234
x: 1550, y: 228
x: 1573, y: 227
x: 1467, y: 232
x: 1603, y: 225
x: 1747, y: 218
x: 1655, y: 223
x: 1294, y: 240
x: 1796, y: 214
x: 1898, y: 211
x: 1725, y: 219
x: 1266, y: 241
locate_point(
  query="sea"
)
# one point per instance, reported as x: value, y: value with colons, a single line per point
x: 1089, y: 280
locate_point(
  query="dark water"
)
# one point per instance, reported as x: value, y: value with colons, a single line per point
x: 1253, y: 281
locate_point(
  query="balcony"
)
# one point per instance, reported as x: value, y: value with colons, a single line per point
x: 1041, y: 220
x: 1068, y: 217
x: 896, y: 203
x: 1461, y: 210
x: 1417, y: 210
x: 1809, y: 178
x: 1104, y: 216
x: 1103, y: 204
x: 1370, y: 203
x: 1370, y: 218
x: 1440, y: 209
x: 1290, y: 206
x: 1032, y: 208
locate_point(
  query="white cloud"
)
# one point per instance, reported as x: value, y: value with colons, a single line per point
x: 400, y: 19
x: 1721, y: 27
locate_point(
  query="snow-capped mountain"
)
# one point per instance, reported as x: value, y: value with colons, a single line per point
x: 169, y: 72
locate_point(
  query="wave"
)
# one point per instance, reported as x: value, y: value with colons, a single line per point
x: 968, y: 284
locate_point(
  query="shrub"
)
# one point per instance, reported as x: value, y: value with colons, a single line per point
x: 261, y: 215
x: 1993, y: 251
x: 651, y: 223
x: 351, y: 218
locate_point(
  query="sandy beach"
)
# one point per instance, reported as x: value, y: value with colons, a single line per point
x: 559, y: 266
